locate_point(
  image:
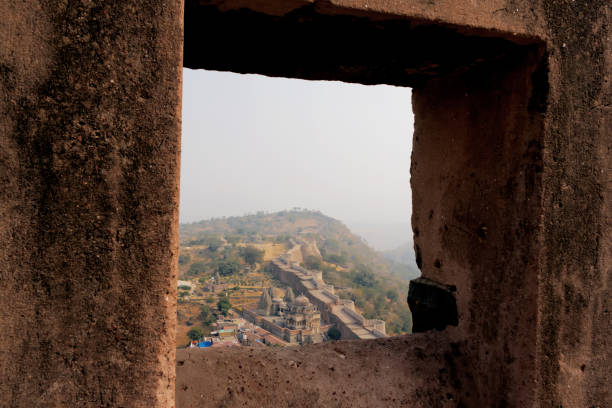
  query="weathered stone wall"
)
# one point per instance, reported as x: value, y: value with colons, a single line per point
x: 512, y: 152
x: 476, y: 215
x: 287, y: 277
x: 511, y: 185
x: 510, y: 209
x: 309, y: 249
x: 323, y: 309
x: 346, y: 333
x: 89, y: 151
x: 376, y: 325
x: 339, y: 312
x: 393, y: 372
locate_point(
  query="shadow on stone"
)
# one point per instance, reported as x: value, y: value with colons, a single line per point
x: 432, y: 304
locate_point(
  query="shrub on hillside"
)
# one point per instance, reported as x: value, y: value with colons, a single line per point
x: 391, y: 295
x: 363, y: 276
x: 251, y: 254
x: 224, y: 305
x: 233, y: 238
x: 196, y: 268
x: 214, y: 244
x: 336, y: 259
x: 312, y: 262
x: 206, y: 316
x: 228, y: 267
x: 184, y: 259
x: 195, y: 334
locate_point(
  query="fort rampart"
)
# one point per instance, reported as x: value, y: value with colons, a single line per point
x: 340, y: 312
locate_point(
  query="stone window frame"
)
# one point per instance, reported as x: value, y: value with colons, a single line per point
x: 491, y: 85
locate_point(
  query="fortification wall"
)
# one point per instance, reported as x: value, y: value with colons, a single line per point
x: 346, y: 332
x: 294, y: 254
x: 357, y: 316
x: 348, y: 304
x: 284, y: 274
x: 309, y: 248
x: 377, y: 326
x: 90, y: 97
x: 333, y: 296
x: 323, y: 307
x: 330, y: 311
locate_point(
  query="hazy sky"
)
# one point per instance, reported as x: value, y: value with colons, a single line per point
x: 254, y: 143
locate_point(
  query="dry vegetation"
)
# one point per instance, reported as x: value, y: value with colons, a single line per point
x: 218, y: 258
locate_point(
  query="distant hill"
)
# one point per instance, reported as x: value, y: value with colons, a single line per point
x: 403, y: 254
x: 332, y: 237
x: 382, y: 236
x: 377, y: 285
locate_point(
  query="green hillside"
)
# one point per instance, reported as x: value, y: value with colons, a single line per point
x: 403, y: 254
x: 218, y: 248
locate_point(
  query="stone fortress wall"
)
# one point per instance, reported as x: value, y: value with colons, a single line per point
x: 340, y: 312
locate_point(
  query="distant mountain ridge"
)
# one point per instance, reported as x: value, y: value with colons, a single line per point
x: 398, y: 262
x: 403, y: 254
x: 382, y: 236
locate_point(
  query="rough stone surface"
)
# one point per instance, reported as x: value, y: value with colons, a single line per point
x: 476, y: 174
x: 433, y: 305
x: 331, y: 42
x: 396, y: 372
x: 89, y: 143
x: 512, y: 192
x: 511, y: 152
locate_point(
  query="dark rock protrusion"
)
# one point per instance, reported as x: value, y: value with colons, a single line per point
x: 432, y: 304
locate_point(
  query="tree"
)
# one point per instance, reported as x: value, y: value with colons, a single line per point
x: 281, y: 239
x: 224, y: 305
x: 362, y: 276
x: 334, y: 334
x: 380, y: 305
x: 332, y: 245
x: 251, y: 254
x: 184, y: 259
x: 206, y: 316
x: 195, y: 334
x: 232, y: 239
x: 196, y: 268
x: 228, y: 267
x: 194, y: 242
x: 337, y: 259
x: 312, y: 262
x: 392, y: 295
x: 214, y: 244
